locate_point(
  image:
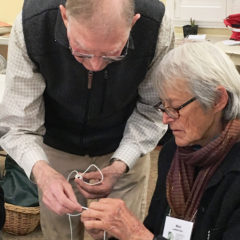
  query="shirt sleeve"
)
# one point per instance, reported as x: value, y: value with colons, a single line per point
x: 22, y: 108
x: 144, y: 128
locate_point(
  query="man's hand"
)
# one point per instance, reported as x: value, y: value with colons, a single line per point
x: 112, y: 216
x: 57, y: 193
x: 110, y: 176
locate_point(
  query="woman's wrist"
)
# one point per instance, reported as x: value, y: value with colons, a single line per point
x: 142, y: 234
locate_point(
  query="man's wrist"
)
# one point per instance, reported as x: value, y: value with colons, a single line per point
x: 121, y: 164
x: 39, y: 171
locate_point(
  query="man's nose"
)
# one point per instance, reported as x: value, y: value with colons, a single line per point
x: 96, y: 63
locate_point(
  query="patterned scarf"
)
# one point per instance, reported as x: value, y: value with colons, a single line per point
x: 184, y: 187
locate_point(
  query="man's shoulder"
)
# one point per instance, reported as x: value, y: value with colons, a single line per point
x: 154, y: 9
x: 34, y: 7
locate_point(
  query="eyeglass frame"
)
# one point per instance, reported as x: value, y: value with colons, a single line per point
x: 105, y: 58
x: 160, y: 107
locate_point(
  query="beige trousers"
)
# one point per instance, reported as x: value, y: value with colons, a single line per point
x: 131, y: 187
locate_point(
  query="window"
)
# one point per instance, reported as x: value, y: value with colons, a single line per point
x: 207, y: 13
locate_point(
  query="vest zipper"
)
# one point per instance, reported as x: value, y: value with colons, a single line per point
x: 90, y: 78
x: 105, y: 89
x: 208, y: 235
x: 89, y: 86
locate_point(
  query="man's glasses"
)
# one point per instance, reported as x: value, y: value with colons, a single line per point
x: 105, y: 58
x: 170, y: 111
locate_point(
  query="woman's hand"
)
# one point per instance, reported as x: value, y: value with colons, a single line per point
x: 112, y: 216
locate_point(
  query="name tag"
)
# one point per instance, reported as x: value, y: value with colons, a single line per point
x: 177, y: 229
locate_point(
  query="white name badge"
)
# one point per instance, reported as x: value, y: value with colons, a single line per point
x: 177, y: 229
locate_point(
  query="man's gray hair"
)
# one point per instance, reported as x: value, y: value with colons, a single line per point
x: 203, y: 67
x: 85, y: 9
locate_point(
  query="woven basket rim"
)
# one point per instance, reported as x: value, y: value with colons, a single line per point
x: 20, y: 209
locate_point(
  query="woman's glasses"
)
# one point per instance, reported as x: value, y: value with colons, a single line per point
x: 170, y: 111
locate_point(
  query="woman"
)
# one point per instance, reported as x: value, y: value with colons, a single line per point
x: 197, y: 195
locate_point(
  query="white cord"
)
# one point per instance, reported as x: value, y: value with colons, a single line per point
x: 70, y: 221
x: 70, y: 174
x: 80, y: 176
x: 105, y: 235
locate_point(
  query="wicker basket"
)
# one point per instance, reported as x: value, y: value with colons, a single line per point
x: 21, y: 220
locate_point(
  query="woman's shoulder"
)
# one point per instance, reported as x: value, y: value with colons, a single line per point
x: 231, y: 162
x: 168, y: 149
x: 166, y: 155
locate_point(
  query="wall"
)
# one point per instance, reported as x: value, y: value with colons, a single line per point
x: 9, y: 10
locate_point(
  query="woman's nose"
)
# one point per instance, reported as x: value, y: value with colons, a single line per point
x: 166, y: 118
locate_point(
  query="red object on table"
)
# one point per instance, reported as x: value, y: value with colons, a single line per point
x: 233, y: 23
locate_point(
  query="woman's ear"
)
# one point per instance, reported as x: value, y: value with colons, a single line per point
x: 222, y: 99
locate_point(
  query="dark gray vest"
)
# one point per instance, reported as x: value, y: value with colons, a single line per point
x: 77, y: 119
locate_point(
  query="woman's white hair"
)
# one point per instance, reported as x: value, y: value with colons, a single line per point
x: 203, y: 67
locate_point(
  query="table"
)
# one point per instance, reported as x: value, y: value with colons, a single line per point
x: 4, y: 40
x: 232, y: 51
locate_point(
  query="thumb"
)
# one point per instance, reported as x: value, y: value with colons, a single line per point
x: 92, y: 175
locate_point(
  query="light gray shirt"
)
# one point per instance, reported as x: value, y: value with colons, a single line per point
x: 22, y: 110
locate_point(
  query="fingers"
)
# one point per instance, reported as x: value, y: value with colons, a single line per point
x: 92, y: 192
x: 88, y: 194
x: 61, y: 199
x: 100, y: 190
x: 57, y: 193
x: 93, y: 175
x: 95, y: 191
x: 68, y: 191
x: 90, y: 215
x: 99, y: 210
x: 112, y: 216
x: 57, y: 207
x: 93, y: 220
x: 93, y: 224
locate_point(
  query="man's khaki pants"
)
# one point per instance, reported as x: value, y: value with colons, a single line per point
x: 131, y: 187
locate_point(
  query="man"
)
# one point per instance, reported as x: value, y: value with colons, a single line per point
x: 79, y: 91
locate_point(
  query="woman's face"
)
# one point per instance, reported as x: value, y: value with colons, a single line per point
x: 195, y: 125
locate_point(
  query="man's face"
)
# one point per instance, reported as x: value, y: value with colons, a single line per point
x: 92, y: 47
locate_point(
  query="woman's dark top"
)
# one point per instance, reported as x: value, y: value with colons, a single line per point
x: 218, y: 215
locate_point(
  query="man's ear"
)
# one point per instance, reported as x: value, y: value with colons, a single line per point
x: 135, y: 18
x: 222, y: 99
x: 64, y: 14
